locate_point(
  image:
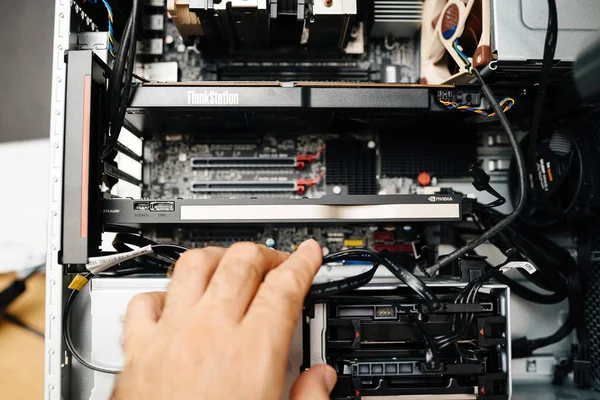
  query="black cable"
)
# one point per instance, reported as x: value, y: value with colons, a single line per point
x: 462, y: 321
x: 538, y: 107
x: 494, y: 230
x: 108, y: 72
x: 69, y: 340
x: 322, y: 290
x: 121, y: 79
x: 523, y: 347
x: 130, y: 65
x: 140, y: 78
x: 506, y: 240
x: 566, y: 284
x: 115, y: 82
x: 481, y: 182
x: 122, y: 242
x: 378, y: 258
x: 548, y: 258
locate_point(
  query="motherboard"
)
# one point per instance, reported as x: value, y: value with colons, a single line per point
x: 297, y: 165
x: 189, y: 166
x: 392, y: 60
x: 405, y: 239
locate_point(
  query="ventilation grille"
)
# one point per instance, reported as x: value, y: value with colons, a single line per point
x: 397, y: 18
x: 441, y: 154
x: 592, y: 316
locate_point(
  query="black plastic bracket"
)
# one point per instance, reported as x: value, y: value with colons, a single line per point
x: 490, y: 330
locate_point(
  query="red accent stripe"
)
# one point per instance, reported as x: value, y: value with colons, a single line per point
x: 85, y: 162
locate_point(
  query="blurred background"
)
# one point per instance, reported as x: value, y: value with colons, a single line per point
x: 25, y: 81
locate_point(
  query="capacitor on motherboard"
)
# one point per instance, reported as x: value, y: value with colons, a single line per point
x: 424, y: 179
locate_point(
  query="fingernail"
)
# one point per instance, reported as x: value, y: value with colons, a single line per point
x: 330, y: 378
x: 306, y: 243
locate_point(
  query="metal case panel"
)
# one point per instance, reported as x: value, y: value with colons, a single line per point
x: 54, y: 385
x: 519, y: 28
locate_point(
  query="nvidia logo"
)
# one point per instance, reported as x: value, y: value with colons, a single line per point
x: 435, y: 199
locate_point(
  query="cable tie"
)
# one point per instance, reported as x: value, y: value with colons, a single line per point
x: 98, y: 264
x: 78, y: 283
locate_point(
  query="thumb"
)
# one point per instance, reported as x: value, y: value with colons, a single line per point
x: 315, y: 383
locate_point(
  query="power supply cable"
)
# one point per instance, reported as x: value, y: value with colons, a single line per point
x: 516, y: 288
x: 552, y: 263
x: 521, y: 169
x: 538, y: 107
x: 481, y: 182
x: 462, y: 321
x: 547, y: 262
x: 557, y: 268
x: 123, y: 242
x: 377, y: 258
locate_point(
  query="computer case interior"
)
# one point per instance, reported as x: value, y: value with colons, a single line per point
x: 360, y: 124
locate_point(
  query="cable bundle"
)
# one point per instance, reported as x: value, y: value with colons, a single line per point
x: 462, y: 321
x: 506, y: 103
x: 111, y: 33
x: 377, y: 258
x: 119, y: 86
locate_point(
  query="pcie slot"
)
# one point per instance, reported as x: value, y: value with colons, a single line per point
x: 243, y: 186
x: 243, y: 162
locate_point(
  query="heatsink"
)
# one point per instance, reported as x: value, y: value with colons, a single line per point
x: 396, y: 18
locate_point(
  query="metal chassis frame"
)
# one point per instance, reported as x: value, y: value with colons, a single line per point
x: 54, y: 379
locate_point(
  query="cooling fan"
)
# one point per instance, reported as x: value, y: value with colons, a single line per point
x: 454, y: 35
x: 560, y: 171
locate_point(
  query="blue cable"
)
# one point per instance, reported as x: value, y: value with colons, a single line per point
x: 111, y: 33
x: 460, y: 53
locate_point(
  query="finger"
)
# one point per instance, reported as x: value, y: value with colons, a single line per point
x: 238, y: 276
x: 278, y: 303
x: 143, y: 312
x: 316, y: 383
x: 192, y: 273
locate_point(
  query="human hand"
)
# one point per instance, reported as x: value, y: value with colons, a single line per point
x: 223, y: 329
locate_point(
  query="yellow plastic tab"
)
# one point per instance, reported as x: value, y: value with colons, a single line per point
x: 354, y: 243
x: 78, y: 282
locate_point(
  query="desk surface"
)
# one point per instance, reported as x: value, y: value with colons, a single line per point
x: 21, y: 351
